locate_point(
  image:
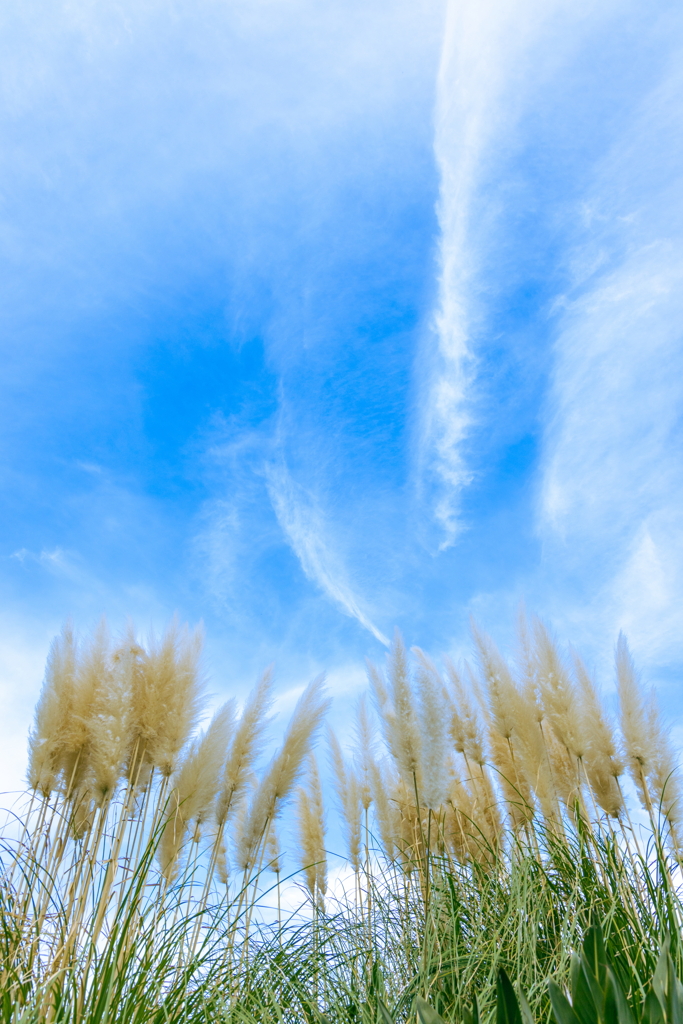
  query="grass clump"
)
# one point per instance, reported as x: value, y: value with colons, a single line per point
x: 484, y: 813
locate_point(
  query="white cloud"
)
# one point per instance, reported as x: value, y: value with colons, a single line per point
x: 66, y: 565
x: 304, y: 527
x: 616, y: 400
x: 646, y: 593
x: 55, y: 561
x: 612, y: 485
x: 493, y: 52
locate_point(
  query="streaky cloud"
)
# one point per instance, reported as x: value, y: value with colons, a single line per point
x: 612, y: 474
x: 612, y: 484
x: 303, y: 525
x: 495, y: 55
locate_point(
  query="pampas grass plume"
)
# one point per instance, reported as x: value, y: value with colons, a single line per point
x: 639, y: 749
x: 111, y: 721
x: 365, y: 744
x: 465, y: 726
x: 348, y: 791
x: 244, y: 749
x: 603, y: 762
x: 558, y: 694
x: 53, y: 713
x: 195, y: 785
x: 167, y: 699
x: 93, y: 679
x: 462, y: 834
x: 385, y: 812
x: 433, y: 707
x: 282, y: 773
x: 398, y: 712
x: 312, y: 830
x: 274, y: 854
x: 502, y: 694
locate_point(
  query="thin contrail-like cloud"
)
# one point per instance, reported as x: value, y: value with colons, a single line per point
x: 485, y: 74
x: 303, y: 527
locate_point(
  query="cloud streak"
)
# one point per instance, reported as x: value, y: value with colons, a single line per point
x: 304, y: 527
x: 483, y: 46
x: 612, y: 473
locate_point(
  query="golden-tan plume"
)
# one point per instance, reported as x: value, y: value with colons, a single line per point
x: 282, y: 773
x: 346, y: 784
x: 53, y: 713
x: 312, y: 830
x: 167, y: 699
x: 244, y: 749
x: 195, y: 786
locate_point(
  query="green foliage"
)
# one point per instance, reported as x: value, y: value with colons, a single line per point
x: 391, y: 960
x: 598, y: 996
x: 595, y: 994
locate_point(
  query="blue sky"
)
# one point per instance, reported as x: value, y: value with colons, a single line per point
x: 320, y: 319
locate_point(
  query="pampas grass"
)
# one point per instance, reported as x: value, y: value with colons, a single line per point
x: 245, y: 748
x: 282, y: 773
x: 167, y: 701
x: 482, y: 810
x: 398, y: 712
x: 348, y: 790
x: 312, y: 831
x: 52, y: 719
x: 195, y: 786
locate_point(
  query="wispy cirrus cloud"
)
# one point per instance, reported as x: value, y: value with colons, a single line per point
x: 304, y: 527
x: 612, y: 485
x: 498, y: 57
x: 483, y: 47
x: 612, y: 473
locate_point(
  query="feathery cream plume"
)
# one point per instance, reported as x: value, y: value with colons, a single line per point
x: 348, y: 792
x: 512, y: 780
x: 649, y: 755
x: 282, y: 772
x: 166, y: 699
x: 93, y: 679
x: 398, y: 713
x: 195, y: 786
x: 558, y: 694
x: 526, y: 658
x: 110, y: 724
x: 528, y: 674
x: 465, y: 726
x: 506, y: 710
x: 240, y: 814
x: 665, y: 781
x: 312, y: 830
x: 365, y: 744
x: 516, y: 718
x: 378, y: 687
x: 386, y: 814
x: 244, y: 749
x: 639, y: 742
x: 485, y: 813
x: 503, y: 696
x: 53, y: 713
x: 409, y: 833
x: 221, y: 870
x: 434, y: 715
x: 274, y: 854
x: 461, y: 830
x: 529, y: 746
x: 565, y: 775
x: 602, y: 761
